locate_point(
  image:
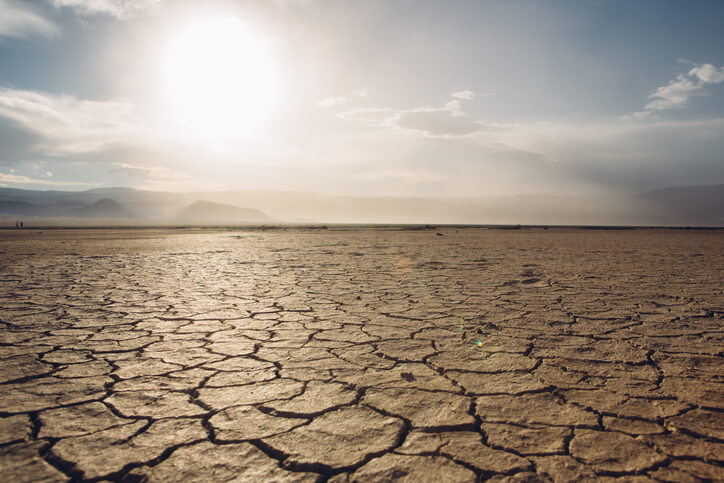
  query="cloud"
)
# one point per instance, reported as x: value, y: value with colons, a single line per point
x: 113, y: 139
x: 708, y: 73
x: 465, y: 95
x: 66, y: 125
x: 14, y: 179
x: 446, y: 121
x: 372, y: 116
x: 453, y: 106
x: 640, y: 116
x: 285, y: 4
x: 162, y: 178
x: 627, y: 156
x: 115, y: 135
x: 676, y: 94
x: 18, y: 21
x: 328, y: 102
x: 437, y: 122
x: 116, y: 8
x: 156, y: 172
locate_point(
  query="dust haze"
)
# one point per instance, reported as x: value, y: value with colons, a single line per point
x: 695, y: 206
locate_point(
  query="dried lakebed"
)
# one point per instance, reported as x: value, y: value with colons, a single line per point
x: 362, y: 355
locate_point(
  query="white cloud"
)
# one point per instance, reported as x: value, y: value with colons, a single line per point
x: 139, y: 144
x: 372, y: 116
x: 676, y: 94
x: 453, y: 105
x: 18, y: 21
x: 150, y: 150
x: 465, y: 95
x: 157, y: 172
x: 163, y: 178
x: 533, y: 157
x: 360, y: 93
x: 708, y: 73
x: 14, y: 179
x: 446, y: 121
x: 328, y: 102
x: 284, y: 4
x: 116, y: 8
x: 48, y: 174
x: 68, y: 125
x: 640, y: 116
x: 437, y: 122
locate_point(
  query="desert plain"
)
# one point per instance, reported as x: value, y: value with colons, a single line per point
x: 362, y: 354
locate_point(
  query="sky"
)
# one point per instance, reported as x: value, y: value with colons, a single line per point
x: 445, y: 98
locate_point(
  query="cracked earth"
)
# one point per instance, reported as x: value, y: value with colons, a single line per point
x: 362, y: 355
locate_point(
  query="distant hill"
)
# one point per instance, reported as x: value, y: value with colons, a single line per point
x: 691, y: 205
x: 19, y: 208
x: 104, y: 208
x: 205, y: 212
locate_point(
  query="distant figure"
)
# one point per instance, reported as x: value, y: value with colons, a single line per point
x: 17, y: 225
x: 21, y: 225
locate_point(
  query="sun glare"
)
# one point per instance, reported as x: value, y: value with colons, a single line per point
x: 220, y: 80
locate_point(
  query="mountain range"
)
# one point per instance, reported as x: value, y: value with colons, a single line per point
x: 676, y: 206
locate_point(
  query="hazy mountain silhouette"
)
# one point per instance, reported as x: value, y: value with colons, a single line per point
x: 694, y: 205
x: 204, y: 212
x: 103, y: 208
x: 20, y: 208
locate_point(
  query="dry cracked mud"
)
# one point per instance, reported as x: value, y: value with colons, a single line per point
x: 370, y: 354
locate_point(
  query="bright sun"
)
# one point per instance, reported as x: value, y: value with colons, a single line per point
x: 220, y: 80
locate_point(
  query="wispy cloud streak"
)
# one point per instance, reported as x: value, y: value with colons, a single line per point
x: 69, y: 125
x: 676, y: 94
x: 19, y: 21
x: 117, y: 8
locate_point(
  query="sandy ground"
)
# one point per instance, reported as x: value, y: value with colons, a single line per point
x: 362, y: 355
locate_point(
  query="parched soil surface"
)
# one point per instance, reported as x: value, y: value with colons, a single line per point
x: 362, y: 355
